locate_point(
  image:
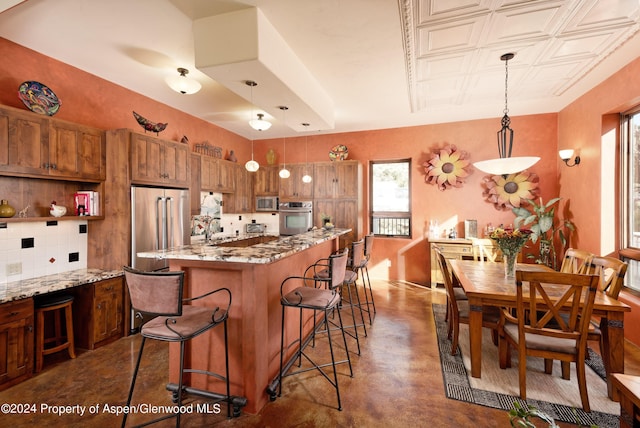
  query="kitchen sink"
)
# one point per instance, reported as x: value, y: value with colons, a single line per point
x: 248, y: 242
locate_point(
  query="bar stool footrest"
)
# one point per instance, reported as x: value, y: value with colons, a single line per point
x: 237, y: 402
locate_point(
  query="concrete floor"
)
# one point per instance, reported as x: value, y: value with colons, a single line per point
x: 397, y: 381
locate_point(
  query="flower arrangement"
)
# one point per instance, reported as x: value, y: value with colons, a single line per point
x: 510, y: 242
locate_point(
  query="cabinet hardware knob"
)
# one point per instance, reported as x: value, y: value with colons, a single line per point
x: 54, y: 166
x: 13, y: 314
x: 45, y: 166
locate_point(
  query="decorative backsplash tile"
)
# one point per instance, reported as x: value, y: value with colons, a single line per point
x: 33, y: 249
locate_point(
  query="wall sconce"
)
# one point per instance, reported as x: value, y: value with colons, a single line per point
x: 566, y: 156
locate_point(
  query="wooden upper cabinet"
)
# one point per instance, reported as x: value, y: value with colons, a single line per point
x: 267, y: 181
x: 217, y: 175
x: 35, y: 145
x: 336, y: 179
x: 157, y: 161
x: 293, y: 187
x: 76, y: 151
x: 241, y: 200
x: 24, y: 142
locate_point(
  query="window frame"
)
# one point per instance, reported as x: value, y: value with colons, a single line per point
x: 400, y: 215
x: 628, y: 252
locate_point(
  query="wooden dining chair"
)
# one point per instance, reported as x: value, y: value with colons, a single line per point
x: 457, y: 291
x: 540, y: 328
x: 575, y: 261
x: 459, y: 309
x: 611, y: 272
x: 484, y: 250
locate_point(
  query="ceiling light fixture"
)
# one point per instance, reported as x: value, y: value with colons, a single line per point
x: 251, y: 166
x: 566, y: 156
x: 306, y: 178
x: 284, y: 172
x: 260, y: 124
x: 182, y: 83
x: 506, y: 164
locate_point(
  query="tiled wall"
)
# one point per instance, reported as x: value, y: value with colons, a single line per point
x: 41, y: 248
x: 232, y: 222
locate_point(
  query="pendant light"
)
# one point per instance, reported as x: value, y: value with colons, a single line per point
x: 284, y: 172
x: 506, y: 164
x: 306, y: 178
x: 260, y: 124
x: 182, y: 83
x: 251, y: 166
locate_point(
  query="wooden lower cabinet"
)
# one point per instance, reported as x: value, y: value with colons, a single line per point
x: 98, y: 313
x: 16, y: 342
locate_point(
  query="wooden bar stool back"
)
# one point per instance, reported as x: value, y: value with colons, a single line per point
x: 57, y: 304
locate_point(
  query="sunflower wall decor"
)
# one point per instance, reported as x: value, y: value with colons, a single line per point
x: 447, y: 167
x: 506, y: 192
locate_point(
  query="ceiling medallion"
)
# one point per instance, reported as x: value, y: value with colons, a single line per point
x: 510, y: 191
x: 447, y: 167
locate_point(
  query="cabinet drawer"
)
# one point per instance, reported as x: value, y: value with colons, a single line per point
x: 109, y: 286
x: 16, y: 310
x: 455, y: 249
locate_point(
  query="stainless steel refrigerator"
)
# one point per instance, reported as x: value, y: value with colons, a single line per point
x: 160, y: 219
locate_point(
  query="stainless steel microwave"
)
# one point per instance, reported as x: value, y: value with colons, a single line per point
x: 266, y: 203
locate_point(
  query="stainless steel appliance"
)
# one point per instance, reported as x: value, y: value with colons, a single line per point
x: 295, y: 217
x: 160, y: 219
x: 255, y: 228
x: 267, y: 203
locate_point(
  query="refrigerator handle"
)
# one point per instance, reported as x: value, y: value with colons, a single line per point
x: 169, y: 223
x: 161, y: 210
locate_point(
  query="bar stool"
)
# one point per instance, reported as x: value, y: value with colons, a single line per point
x: 351, y: 279
x: 362, y: 267
x: 316, y: 299
x: 160, y: 294
x: 57, y: 304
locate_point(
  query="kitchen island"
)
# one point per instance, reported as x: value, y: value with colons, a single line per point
x: 253, y: 274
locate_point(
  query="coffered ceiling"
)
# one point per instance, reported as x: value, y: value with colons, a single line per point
x: 379, y: 63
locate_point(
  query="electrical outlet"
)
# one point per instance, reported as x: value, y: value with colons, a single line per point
x: 14, y: 268
x: 388, y: 263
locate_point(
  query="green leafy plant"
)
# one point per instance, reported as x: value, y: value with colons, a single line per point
x: 541, y: 219
x: 519, y: 417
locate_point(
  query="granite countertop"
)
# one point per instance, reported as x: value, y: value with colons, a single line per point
x: 263, y: 253
x: 50, y: 283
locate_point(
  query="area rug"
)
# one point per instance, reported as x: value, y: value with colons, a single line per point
x: 499, y: 389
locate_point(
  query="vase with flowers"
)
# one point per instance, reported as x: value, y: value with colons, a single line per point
x: 510, y: 242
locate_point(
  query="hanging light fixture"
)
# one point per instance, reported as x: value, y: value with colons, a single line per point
x: 506, y: 164
x: 260, y: 124
x: 251, y: 166
x: 182, y: 83
x: 284, y: 172
x: 306, y: 178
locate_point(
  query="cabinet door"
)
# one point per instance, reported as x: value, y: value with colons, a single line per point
x: 343, y: 213
x: 76, y: 151
x: 175, y: 163
x: 23, y: 143
x: 323, y: 180
x: 146, y: 159
x: 226, y: 176
x: 240, y: 201
x: 107, y: 309
x: 345, y: 180
x: 194, y: 186
x: 208, y: 173
x: 267, y: 181
x: 293, y: 187
x: 16, y: 342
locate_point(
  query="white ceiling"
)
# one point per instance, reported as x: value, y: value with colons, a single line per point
x: 383, y: 63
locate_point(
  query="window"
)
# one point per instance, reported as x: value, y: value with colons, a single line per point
x: 390, y: 208
x: 631, y: 195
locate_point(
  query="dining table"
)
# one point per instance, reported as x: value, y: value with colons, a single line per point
x: 485, y: 284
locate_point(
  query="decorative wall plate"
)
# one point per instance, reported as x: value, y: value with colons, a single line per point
x: 339, y: 153
x: 39, y: 98
x: 447, y: 167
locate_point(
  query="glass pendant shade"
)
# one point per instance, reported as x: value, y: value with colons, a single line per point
x: 182, y: 83
x: 260, y: 124
x: 252, y: 166
x: 284, y: 173
x: 306, y: 178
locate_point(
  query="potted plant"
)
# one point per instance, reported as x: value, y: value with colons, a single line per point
x: 541, y: 219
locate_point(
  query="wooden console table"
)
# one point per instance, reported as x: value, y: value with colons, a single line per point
x: 627, y: 387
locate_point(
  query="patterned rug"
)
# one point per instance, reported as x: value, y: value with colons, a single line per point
x: 499, y: 388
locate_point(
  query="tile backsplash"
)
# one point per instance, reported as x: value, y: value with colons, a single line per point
x: 33, y: 249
